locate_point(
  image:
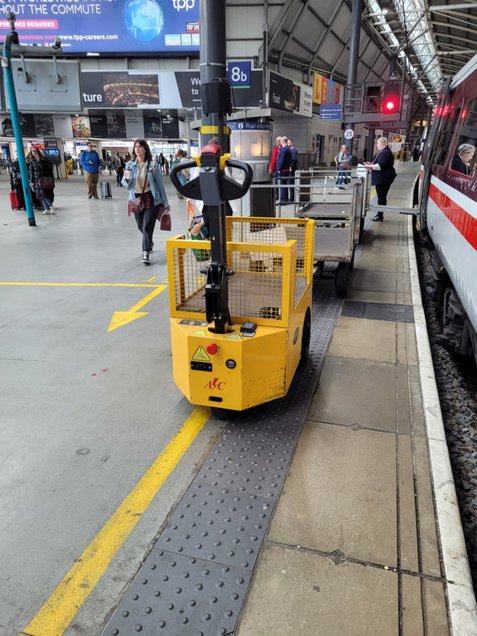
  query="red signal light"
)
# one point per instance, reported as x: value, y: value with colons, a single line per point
x: 391, y: 105
x: 391, y: 99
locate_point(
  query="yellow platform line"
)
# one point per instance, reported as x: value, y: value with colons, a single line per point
x: 67, y: 598
x: 37, y: 284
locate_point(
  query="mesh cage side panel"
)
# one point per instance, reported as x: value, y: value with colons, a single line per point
x: 189, y: 281
x: 246, y: 230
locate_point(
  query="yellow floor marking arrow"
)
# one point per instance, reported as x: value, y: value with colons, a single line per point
x: 121, y: 318
x: 150, y: 280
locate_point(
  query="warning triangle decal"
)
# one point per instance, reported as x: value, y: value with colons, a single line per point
x: 233, y: 336
x: 201, y: 355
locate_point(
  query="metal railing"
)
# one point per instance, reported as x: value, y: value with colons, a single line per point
x: 309, y: 187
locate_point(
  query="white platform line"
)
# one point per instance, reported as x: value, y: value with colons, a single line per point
x: 460, y: 592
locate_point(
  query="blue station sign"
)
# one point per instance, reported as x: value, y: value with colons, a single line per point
x: 239, y: 74
x: 331, y: 112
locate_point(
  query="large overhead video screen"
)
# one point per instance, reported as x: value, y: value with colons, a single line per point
x: 131, y: 27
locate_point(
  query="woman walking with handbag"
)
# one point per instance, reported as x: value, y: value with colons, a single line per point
x: 42, y: 182
x: 143, y: 179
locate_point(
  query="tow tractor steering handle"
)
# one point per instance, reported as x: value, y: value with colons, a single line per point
x: 230, y: 189
x: 179, y: 167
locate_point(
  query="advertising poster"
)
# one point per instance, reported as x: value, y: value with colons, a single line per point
x: 81, y: 127
x: 170, y: 129
x: 283, y: 95
x: 44, y: 125
x: 99, y: 126
x: 119, y: 89
x: 306, y: 100
x: 107, y: 26
x: 134, y: 126
x: 7, y: 127
x: 116, y: 125
x: 28, y: 125
x: 188, y: 84
x: 287, y: 95
x: 326, y: 91
x: 152, y: 128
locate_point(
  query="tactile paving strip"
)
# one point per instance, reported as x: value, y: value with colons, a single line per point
x: 257, y: 468
x: 178, y: 595
x: 214, y: 536
x: 218, y: 524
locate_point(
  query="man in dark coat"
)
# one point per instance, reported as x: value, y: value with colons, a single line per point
x: 284, y: 166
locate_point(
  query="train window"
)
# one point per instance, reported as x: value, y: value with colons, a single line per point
x: 464, y: 151
x: 450, y: 122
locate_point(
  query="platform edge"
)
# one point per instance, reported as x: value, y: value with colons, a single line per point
x: 460, y: 591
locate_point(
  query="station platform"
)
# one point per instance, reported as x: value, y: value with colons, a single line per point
x: 331, y: 512
x: 366, y: 538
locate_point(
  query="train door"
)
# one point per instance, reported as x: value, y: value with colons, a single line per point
x: 434, y: 150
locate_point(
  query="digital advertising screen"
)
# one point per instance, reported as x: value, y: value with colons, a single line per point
x: 131, y: 27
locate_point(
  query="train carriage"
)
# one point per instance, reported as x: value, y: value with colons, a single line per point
x: 448, y: 208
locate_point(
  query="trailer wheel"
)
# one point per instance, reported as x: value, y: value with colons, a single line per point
x: 220, y: 414
x: 305, y: 337
x: 342, y: 278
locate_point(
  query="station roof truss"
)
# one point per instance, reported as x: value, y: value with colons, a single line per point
x: 428, y: 39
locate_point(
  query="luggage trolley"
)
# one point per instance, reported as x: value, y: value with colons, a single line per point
x: 240, y: 302
x: 339, y: 221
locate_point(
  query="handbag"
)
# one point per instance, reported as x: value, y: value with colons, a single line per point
x: 164, y: 216
x: 138, y: 204
x: 47, y: 182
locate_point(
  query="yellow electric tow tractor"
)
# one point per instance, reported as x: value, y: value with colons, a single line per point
x: 240, y: 301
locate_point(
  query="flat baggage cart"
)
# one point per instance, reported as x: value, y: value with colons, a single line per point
x: 339, y: 219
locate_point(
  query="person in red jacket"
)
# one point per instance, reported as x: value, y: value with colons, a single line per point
x: 273, y: 158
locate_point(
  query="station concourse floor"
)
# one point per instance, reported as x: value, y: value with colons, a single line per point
x: 365, y: 539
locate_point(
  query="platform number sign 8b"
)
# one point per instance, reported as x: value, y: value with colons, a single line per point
x: 239, y: 74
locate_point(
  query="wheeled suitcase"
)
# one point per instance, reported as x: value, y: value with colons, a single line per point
x: 14, y: 201
x: 105, y: 189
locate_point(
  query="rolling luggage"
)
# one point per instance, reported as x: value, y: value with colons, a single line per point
x: 105, y: 189
x: 14, y: 201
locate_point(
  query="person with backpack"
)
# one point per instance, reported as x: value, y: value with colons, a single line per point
x: 91, y: 165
